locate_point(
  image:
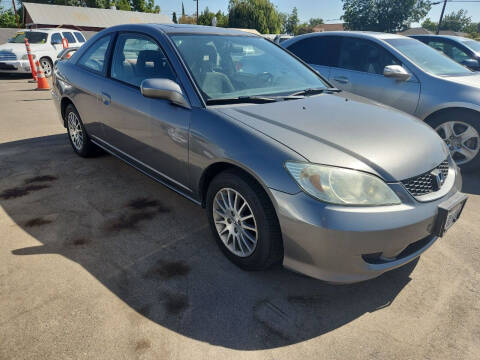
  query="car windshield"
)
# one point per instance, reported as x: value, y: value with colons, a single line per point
x: 227, y: 67
x: 34, y: 37
x: 427, y: 58
x: 472, y: 44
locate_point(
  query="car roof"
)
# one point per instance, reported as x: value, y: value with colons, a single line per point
x: 197, y: 29
x: 451, y: 37
x: 359, y: 34
x: 49, y: 30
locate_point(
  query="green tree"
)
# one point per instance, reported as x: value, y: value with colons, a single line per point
x: 222, y: 19
x: 123, y: 5
x: 456, y: 21
x: 7, y: 18
x: 183, y: 10
x: 315, y: 21
x: 205, y: 17
x: 292, y: 22
x: 283, y: 21
x: 174, y: 18
x: 383, y: 15
x: 429, y: 25
x: 261, y: 15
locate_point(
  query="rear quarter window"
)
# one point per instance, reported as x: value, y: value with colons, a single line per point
x: 79, y: 36
x: 69, y: 37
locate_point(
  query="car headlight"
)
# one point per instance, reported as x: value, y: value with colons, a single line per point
x: 341, y: 186
x: 25, y: 57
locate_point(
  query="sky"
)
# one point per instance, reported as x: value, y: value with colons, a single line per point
x: 325, y: 9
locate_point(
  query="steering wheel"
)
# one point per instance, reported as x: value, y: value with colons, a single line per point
x: 267, y: 77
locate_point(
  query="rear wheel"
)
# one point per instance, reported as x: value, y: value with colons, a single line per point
x: 77, y: 135
x: 461, y: 132
x: 47, y: 66
x: 244, y: 221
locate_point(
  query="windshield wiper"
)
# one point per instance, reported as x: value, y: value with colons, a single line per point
x: 311, y: 91
x: 241, y: 100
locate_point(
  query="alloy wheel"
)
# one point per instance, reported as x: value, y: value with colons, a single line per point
x: 235, y: 222
x: 47, y: 67
x: 462, y: 139
x: 75, y: 130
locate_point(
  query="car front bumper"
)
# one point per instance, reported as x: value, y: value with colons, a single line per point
x: 15, y: 66
x: 349, y: 244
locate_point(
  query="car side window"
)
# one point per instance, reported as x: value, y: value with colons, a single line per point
x: 458, y: 54
x: 94, y: 57
x: 365, y: 56
x: 137, y: 57
x: 56, y: 38
x: 69, y: 37
x: 79, y: 36
x: 451, y: 50
x: 312, y: 50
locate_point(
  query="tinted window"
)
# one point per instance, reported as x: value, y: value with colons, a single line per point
x: 69, y: 37
x: 34, y: 37
x: 79, y: 36
x: 94, y: 57
x: 56, y: 38
x: 450, y: 49
x: 136, y: 58
x: 427, y: 58
x: 365, y: 56
x: 312, y: 50
x: 226, y: 66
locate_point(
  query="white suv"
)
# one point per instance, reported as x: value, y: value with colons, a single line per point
x: 45, y: 45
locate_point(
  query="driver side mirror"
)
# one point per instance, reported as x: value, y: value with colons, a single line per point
x: 164, y: 89
x: 396, y: 72
x: 56, y: 42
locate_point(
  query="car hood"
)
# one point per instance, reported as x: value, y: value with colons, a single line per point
x: 348, y: 131
x: 469, y: 80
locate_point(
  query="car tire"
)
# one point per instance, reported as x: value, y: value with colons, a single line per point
x: 461, y: 120
x: 268, y: 247
x: 77, y: 134
x: 47, y: 66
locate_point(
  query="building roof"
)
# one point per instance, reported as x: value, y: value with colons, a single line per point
x: 88, y: 17
x: 329, y: 27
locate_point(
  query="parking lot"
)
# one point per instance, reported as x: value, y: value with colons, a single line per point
x: 99, y: 261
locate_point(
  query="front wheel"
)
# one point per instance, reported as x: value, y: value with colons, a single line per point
x: 77, y: 135
x: 47, y: 66
x: 461, y: 132
x: 244, y: 221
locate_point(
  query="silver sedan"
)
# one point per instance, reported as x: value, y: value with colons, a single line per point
x: 290, y: 169
x: 406, y: 74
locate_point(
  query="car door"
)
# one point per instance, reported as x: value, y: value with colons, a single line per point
x: 359, y: 69
x: 56, y: 42
x: 317, y: 51
x: 150, y: 132
x: 87, y: 76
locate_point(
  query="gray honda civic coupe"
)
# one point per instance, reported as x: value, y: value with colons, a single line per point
x: 290, y: 169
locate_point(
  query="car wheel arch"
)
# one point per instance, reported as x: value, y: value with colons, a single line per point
x: 63, y: 106
x: 216, y: 168
x: 438, y: 112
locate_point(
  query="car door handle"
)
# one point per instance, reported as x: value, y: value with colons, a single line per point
x: 106, y: 99
x: 341, y: 79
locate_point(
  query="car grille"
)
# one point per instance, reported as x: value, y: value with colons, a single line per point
x: 7, y: 55
x: 427, y: 183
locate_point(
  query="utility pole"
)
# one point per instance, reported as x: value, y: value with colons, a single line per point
x: 441, y: 16
x: 16, y: 15
x: 197, y: 10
